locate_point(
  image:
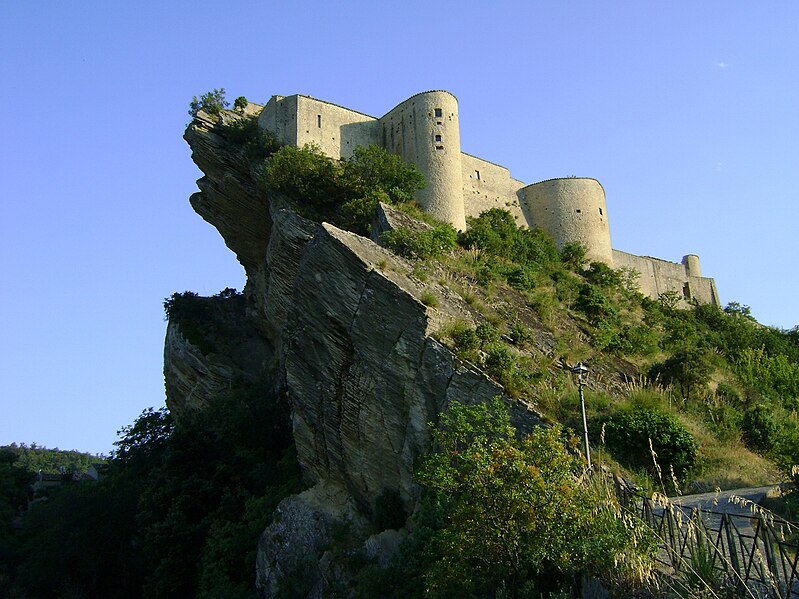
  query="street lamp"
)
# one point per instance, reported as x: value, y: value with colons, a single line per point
x: 581, y: 371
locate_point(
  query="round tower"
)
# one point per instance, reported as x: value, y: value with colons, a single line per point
x: 572, y: 210
x: 691, y: 263
x: 425, y: 130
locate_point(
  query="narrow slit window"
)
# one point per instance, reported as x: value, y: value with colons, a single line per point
x: 686, y: 291
x: 477, y: 175
x: 600, y: 212
x: 319, y: 121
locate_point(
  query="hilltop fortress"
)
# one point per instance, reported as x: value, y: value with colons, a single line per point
x: 424, y: 130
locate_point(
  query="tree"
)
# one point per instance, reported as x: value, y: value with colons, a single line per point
x: 212, y: 102
x: 516, y: 515
x: 690, y: 368
x: 142, y: 443
x: 372, y: 168
x: 240, y: 103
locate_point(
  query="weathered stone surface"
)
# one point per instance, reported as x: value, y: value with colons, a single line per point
x: 240, y: 355
x: 363, y: 373
x: 293, y: 546
x: 229, y: 198
x: 348, y: 340
x: 387, y: 219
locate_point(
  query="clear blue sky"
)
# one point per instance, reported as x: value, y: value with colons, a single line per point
x: 687, y: 112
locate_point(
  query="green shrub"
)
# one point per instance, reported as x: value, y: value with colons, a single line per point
x: 358, y: 213
x: 212, y: 102
x: 487, y: 333
x: 420, y: 244
x: 240, y: 103
x: 464, y: 337
x: 690, y: 368
x: 519, y: 334
x: 594, y: 304
x: 523, y: 278
x: 429, y: 299
x: 346, y: 193
x: 257, y: 143
x: 515, y: 516
x: 371, y: 168
x: 776, y: 375
x: 759, y: 428
x: 574, y: 255
x: 308, y: 177
x: 627, y: 435
x: 602, y: 275
x: 500, y: 360
x: 495, y: 232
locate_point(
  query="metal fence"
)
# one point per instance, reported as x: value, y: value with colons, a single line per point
x: 754, y: 554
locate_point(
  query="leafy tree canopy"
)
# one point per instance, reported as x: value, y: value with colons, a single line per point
x: 516, y: 513
x: 212, y: 102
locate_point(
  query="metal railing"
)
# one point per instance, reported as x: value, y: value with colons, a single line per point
x: 756, y: 554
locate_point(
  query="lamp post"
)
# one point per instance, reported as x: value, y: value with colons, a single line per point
x: 580, y: 370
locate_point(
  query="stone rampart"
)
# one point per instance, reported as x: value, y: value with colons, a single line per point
x: 424, y: 130
x: 572, y: 210
x: 487, y: 185
x: 661, y: 276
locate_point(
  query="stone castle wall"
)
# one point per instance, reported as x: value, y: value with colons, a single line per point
x: 660, y: 276
x: 298, y: 120
x: 487, y: 185
x: 424, y: 130
x: 572, y: 210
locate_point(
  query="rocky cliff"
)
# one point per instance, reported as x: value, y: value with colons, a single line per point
x: 337, y: 325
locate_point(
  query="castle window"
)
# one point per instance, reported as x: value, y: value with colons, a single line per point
x: 600, y: 212
x: 319, y: 120
x: 477, y: 175
x: 438, y: 138
x: 438, y: 113
x: 579, y: 211
x: 686, y: 291
x: 439, y: 147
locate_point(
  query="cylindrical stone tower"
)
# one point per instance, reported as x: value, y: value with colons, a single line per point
x: 572, y: 210
x: 424, y: 130
x: 691, y: 263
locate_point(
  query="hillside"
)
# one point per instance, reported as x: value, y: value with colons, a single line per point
x: 369, y: 342
x: 388, y: 408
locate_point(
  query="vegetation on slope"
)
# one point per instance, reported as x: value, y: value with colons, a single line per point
x: 678, y: 394
x: 177, y: 513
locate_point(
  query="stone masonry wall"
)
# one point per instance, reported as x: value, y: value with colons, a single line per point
x: 660, y: 276
x: 424, y: 130
x: 487, y: 185
x: 570, y: 210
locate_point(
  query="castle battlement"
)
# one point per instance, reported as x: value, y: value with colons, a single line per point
x: 425, y: 131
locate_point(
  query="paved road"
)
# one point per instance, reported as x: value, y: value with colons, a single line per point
x: 723, y: 502
x: 736, y: 502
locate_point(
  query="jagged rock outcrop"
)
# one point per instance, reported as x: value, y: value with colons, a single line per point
x: 229, y: 198
x: 227, y: 351
x: 347, y: 339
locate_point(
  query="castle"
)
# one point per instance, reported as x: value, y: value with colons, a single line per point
x: 424, y: 130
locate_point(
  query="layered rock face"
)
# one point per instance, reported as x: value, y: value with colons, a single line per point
x: 345, y: 336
